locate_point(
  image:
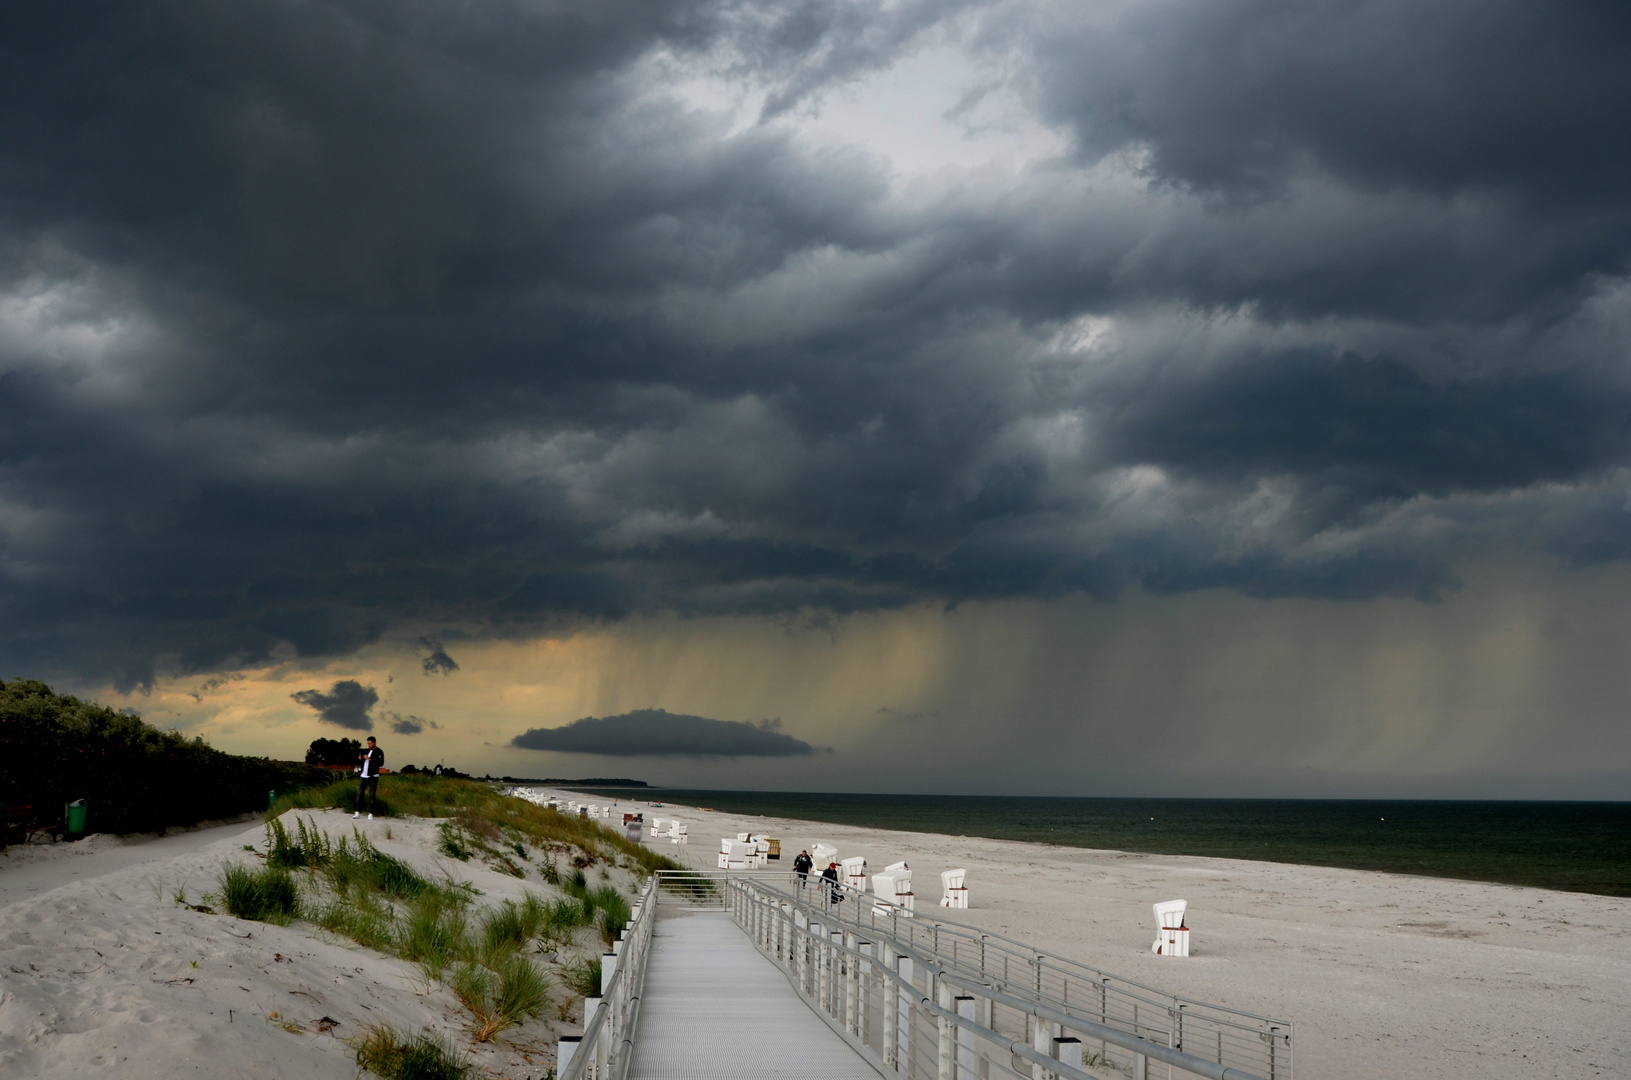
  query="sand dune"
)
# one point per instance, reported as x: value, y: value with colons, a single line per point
x: 113, y: 975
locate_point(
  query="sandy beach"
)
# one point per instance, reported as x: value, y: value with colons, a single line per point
x: 1383, y: 975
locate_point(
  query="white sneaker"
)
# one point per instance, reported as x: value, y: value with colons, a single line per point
x: 358, y: 814
x: 370, y: 817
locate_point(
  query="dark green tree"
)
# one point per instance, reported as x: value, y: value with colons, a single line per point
x: 333, y: 752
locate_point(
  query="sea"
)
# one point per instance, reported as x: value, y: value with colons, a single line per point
x: 1574, y: 846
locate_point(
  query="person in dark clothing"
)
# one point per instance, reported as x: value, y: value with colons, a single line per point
x: 831, y: 875
x: 373, y: 759
x: 801, y: 867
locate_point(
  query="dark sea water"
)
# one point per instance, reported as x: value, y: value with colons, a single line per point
x: 1577, y: 846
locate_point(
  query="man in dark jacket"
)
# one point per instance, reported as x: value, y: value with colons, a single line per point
x: 373, y: 760
x: 831, y: 875
x: 801, y: 867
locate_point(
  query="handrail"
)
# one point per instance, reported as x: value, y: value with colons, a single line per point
x: 1033, y: 1008
x: 606, y: 1043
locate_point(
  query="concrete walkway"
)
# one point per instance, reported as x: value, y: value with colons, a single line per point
x: 714, y: 1009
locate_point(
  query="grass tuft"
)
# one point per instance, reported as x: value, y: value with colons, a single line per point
x: 385, y: 1053
x: 502, y: 996
x: 267, y: 894
x: 583, y: 976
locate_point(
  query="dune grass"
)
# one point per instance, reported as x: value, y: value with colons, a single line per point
x: 483, y: 956
x: 392, y: 1056
x: 484, y: 817
x: 500, y: 993
x: 265, y: 894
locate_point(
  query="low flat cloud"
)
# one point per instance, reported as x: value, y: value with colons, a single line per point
x: 347, y: 704
x: 660, y: 733
x: 409, y: 725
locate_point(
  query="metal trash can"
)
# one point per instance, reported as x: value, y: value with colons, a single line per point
x: 74, y: 816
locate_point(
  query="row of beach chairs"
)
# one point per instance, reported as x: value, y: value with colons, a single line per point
x: 893, y: 885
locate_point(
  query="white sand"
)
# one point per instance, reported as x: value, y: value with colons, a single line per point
x: 1383, y: 975
x: 110, y: 975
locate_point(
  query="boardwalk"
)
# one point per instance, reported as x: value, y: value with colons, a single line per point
x: 714, y: 1009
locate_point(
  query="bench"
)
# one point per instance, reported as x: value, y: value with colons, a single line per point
x: 21, y: 825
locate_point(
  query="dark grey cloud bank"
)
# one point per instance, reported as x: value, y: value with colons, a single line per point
x: 347, y: 703
x: 323, y: 323
x: 660, y: 733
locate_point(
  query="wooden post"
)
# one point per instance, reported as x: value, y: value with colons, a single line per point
x: 903, y: 1015
x: 946, y: 1056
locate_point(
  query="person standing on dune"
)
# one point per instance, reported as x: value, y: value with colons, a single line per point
x: 373, y: 759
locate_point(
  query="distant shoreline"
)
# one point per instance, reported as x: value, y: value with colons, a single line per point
x: 1574, y: 847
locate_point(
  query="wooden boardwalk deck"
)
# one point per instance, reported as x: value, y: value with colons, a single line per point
x: 714, y: 1009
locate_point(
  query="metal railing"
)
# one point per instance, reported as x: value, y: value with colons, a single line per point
x: 603, y: 1051
x: 933, y: 998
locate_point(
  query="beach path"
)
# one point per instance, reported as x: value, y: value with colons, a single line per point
x: 40, y: 871
x: 714, y: 1008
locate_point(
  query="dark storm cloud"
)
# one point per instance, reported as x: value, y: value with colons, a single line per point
x: 436, y: 661
x: 409, y: 725
x: 347, y: 704
x: 327, y: 324
x: 659, y: 733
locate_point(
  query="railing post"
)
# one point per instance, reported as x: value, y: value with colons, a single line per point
x: 852, y: 978
x: 1069, y: 1052
x: 590, y: 1006
x: 796, y: 940
x: 903, y: 1015
x: 946, y: 1050
x: 967, y: 1062
x: 1042, y: 1035
x: 565, y: 1050
x: 863, y: 1025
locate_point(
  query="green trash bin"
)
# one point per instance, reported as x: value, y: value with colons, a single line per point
x: 74, y: 813
x: 271, y: 798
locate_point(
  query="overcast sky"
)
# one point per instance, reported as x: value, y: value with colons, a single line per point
x: 1191, y: 396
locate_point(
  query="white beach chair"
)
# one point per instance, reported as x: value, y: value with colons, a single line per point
x: 823, y: 854
x: 1171, y: 935
x: 852, y: 872
x: 952, y: 893
x: 894, y: 890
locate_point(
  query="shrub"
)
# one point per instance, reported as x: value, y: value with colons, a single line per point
x: 267, y: 894
x: 137, y: 778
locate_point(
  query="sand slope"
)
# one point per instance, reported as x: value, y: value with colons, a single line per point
x: 113, y: 976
